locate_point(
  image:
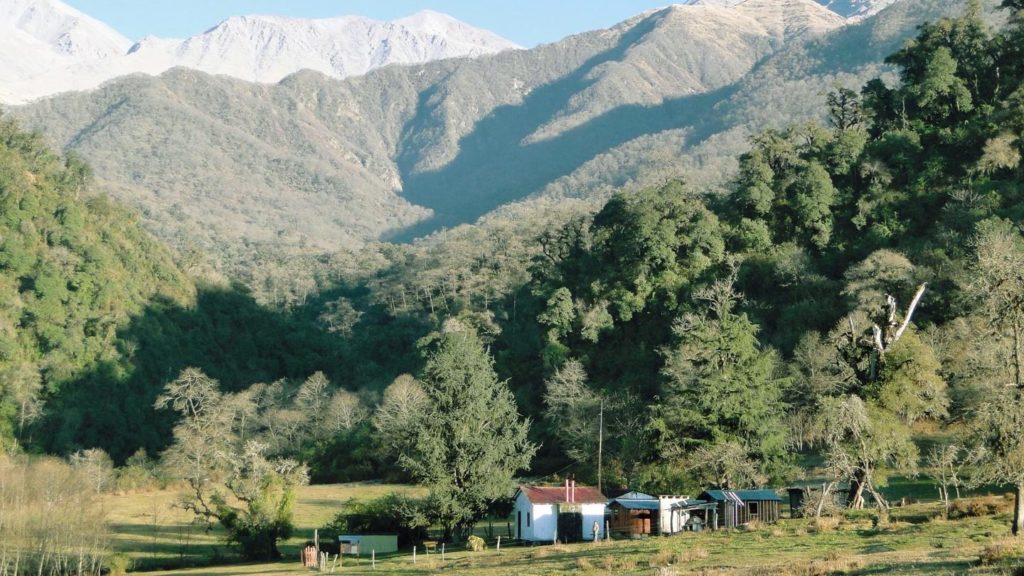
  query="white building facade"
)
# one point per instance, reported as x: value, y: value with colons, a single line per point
x: 537, y: 509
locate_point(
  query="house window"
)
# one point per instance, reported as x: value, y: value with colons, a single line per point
x: 527, y: 519
x: 752, y: 508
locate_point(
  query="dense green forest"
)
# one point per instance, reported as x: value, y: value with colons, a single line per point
x: 860, y: 284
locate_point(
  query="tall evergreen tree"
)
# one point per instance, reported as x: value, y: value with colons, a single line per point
x: 470, y: 440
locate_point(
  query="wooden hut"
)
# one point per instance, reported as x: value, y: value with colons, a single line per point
x: 633, y: 515
x: 738, y: 507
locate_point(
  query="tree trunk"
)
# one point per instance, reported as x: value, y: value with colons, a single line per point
x: 1018, y: 509
x: 856, y: 498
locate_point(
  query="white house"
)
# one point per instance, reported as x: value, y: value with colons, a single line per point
x: 563, y: 513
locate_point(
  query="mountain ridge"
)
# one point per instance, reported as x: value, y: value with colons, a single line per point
x: 257, y: 48
x: 359, y: 159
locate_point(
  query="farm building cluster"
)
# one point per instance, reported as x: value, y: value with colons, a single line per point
x: 572, y: 513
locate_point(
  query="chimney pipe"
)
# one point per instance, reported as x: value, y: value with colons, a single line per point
x: 567, y: 490
x: 574, y: 490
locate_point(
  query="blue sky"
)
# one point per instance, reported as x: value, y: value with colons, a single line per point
x: 527, y: 22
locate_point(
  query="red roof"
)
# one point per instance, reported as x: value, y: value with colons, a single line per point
x: 556, y: 495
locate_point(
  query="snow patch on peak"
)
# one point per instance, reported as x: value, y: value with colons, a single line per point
x: 857, y: 9
x: 258, y: 48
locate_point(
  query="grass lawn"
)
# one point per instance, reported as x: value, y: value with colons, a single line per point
x: 914, y: 542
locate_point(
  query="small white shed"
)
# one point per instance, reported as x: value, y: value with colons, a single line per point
x: 563, y: 513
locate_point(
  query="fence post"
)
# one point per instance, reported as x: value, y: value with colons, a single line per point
x: 373, y: 559
x: 413, y: 554
x: 442, y: 551
x: 499, y: 544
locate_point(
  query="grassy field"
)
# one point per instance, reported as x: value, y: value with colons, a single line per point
x: 154, y: 533
x: 915, y: 541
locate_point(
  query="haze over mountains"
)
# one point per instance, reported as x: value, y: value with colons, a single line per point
x: 318, y: 163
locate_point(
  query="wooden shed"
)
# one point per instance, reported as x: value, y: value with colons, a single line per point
x: 738, y: 507
x: 634, y: 514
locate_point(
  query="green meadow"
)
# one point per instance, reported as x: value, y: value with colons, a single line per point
x: 915, y: 540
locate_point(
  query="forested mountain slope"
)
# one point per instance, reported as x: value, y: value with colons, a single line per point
x: 95, y: 316
x: 324, y: 163
x: 74, y: 268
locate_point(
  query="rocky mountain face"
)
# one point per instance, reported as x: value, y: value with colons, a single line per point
x: 318, y: 163
x: 69, y: 51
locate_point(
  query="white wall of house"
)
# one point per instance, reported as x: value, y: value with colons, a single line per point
x: 538, y: 521
x: 671, y: 521
x: 545, y: 522
x: 593, y: 513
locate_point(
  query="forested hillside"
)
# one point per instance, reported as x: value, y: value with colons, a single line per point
x: 95, y: 316
x: 744, y: 325
x: 858, y: 284
x: 74, y: 268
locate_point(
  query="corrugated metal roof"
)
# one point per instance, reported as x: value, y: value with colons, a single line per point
x: 744, y: 495
x: 634, y: 495
x: 692, y: 504
x: 637, y: 504
x: 556, y: 495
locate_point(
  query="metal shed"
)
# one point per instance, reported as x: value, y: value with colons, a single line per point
x: 738, y: 507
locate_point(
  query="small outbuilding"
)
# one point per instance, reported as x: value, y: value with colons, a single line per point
x: 366, y: 544
x: 635, y: 514
x: 738, y: 507
x: 559, y: 513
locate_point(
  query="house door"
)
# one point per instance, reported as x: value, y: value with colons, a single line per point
x: 519, y: 524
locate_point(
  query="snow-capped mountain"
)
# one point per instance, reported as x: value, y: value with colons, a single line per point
x: 857, y: 9
x: 47, y: 47
x: 268, y: 48
x: 40, y: 35
x: 852, y: 9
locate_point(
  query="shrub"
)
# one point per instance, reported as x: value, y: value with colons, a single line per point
x: 981, y: 506
x: 475, y: 544
x: 393, y: 513
x: 1001, y: 550
x: 823, y: 524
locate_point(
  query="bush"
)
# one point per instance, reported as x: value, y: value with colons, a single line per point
x: 981, y: 506
x: 394, y: 513
x: 1001, y: 550
x: 823, y: 524
x: 475, y: 544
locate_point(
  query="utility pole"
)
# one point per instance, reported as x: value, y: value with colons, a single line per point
x: 600, y: 444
